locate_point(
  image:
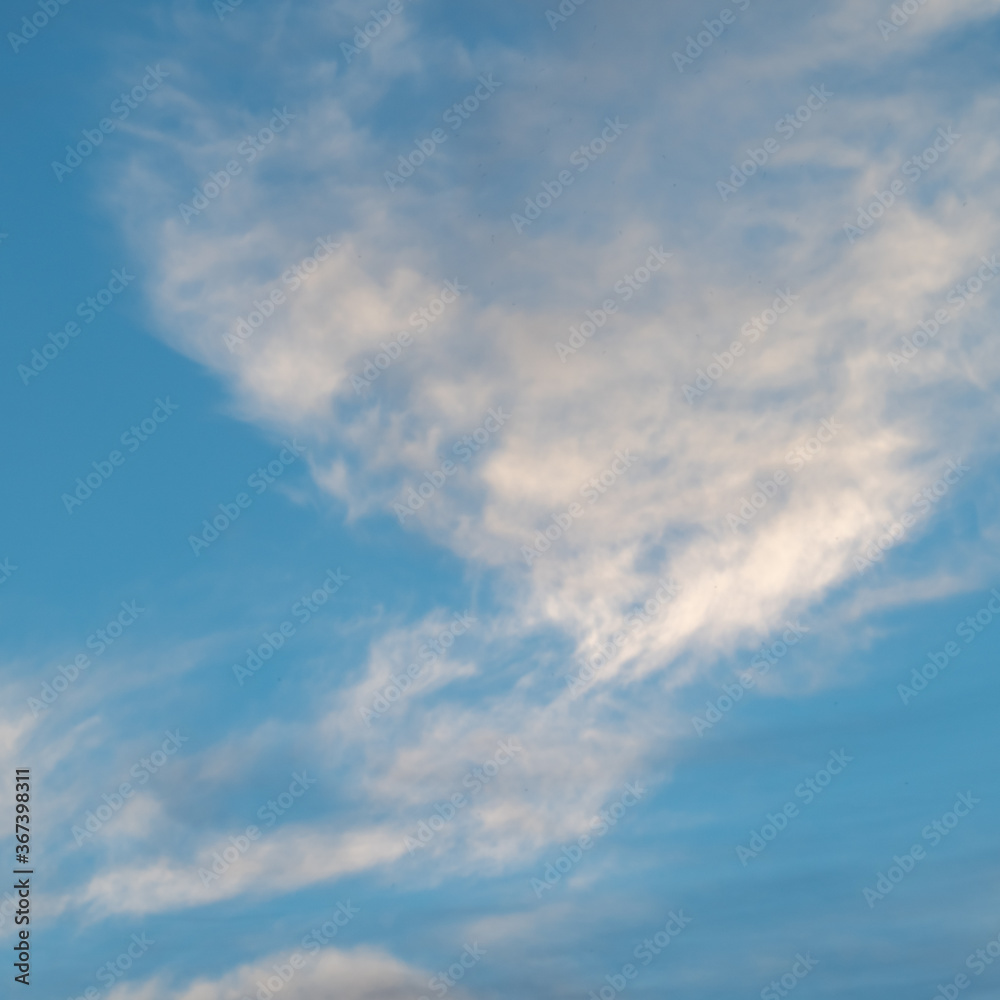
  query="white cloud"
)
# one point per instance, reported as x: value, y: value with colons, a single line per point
x: 288, y: 858
x: 358, y: 974
x: 665, y: 516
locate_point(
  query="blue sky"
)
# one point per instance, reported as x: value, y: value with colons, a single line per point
x: 358, y: 518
